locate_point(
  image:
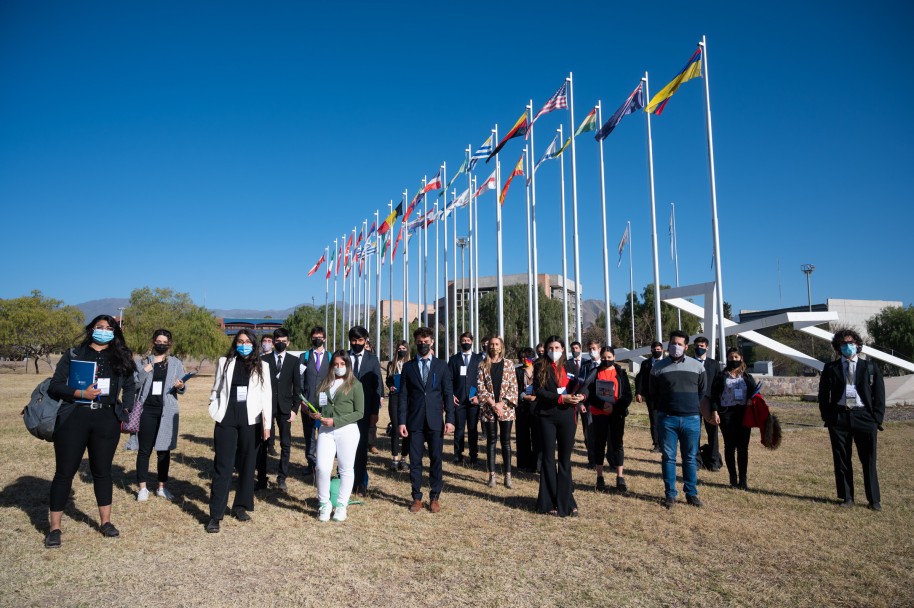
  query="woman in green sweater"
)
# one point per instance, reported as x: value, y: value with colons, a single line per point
x: 342, y: 404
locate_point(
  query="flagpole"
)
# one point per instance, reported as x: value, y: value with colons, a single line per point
x: 574, y: 214
x: 424, y: 257
x: 631, y: 282
x: 345, y: 309
x: 377, y: 289
x: 455, y: 269
x: 390, y: 289
x: 447, y: 302
x: 404, y: 323
x: 336, y: 250
x: 564, y: 246
x: 674, y: 242
x: 714, y: 220
x: 475, y: 245
x: 326, y: 292
x: 437, y: 248
x: 609, y: 333
x: 658, y: 327
x: 471, y: 238
x: 364, y: 282
x: 500, y: 281
x: 535, y: 329
x: 530, y: 327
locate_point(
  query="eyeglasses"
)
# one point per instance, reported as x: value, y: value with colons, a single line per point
x: 102, y: 327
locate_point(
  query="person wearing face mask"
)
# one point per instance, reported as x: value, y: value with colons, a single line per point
x: 712, y: 369
x: 609, y: 394
x: 497, y: 389
x: 731, y: 390
x: 158, y: 377
x: 557, y: 423
x: 266, y: 344
x: 527, y: 426
x: 852, y: 406
x: 286, y: 384
x: 581, y: 370
x: 313, y: 367
x: 242, y: 397
x: 643, y: 392
x: 90, y: 419
x: 540, y: 350
x: 464, y: 376
x: 398, y: 448
x: 342, y: 407
x: 367, y: 369
x: 677, y: 385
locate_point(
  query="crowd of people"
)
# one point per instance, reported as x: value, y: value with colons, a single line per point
x: 260, y: 389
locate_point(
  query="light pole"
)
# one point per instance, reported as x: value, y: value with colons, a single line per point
x: 462, y: 242
x: 121, y: 320
x: 807, y: 270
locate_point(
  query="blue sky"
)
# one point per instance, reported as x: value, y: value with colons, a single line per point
x: 216, y: 148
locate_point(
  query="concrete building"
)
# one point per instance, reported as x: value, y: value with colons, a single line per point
x: 258, y: 326
x: 851, y: 313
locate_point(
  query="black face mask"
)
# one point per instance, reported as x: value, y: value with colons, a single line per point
x: 466, y: 346
x: 357, y: 348
x: 280, y: 346
x: 423, y: 349
x: 401, y: 354
x: 658, y: 355
x: 160, y: 349
x: 731, y: 365
x: 317, y: 342
x: 606, y: 363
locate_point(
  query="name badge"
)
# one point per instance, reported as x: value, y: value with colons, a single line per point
x: 242, y: 393
x: 157, y: 387
x: 322, y: 400
x: 463, y: 370
x: 561, y: 390
x: 739, y: 394
x: 104, y: 385
x: 850, y: 395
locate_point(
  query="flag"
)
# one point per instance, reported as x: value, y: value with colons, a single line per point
x: 481, y: 152
x: 551, y: 152
x: 518, y: 170
x: 346, y: 255
x: 391, y: 219
x: 564, y: 145
x: 416, y: 224
x: 339, y: 259
x: 487, y: 185
x: 634, y: 103
x: 589, y: 124
x: 461, y: 170
x: 371, y: 231
x: 393, y: 254
x: 622, y: 244
x: 330, y: 263
x: 559, y: 101
x: 519, y: 129
x: 384, y: 250
x: 316, y: 266
x: 412, y: 205
x: 462, y: 200
x: 691, y: 70
x: 434, y: 183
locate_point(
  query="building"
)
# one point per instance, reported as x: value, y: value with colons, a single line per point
x: 851, y: 313
x: 258, y: 326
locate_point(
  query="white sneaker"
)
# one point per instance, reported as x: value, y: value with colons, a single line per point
x: 339, y: 514
x: 323, y: 512
x: 164, y: 493
x: 142, y: 495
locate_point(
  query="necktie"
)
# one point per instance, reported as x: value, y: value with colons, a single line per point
x: 358, y: 362
x: 317, y: 361
x: 424, y: 370
x: 466, y: 360
x: 278, y: 365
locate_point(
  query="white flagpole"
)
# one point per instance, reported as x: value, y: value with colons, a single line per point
x: 609, y: 333
x: 447, y: 302
x: 471, y: 238
x: 475, y: 246
x: 658, y: 327
x: 631, y: 282
x: 326, y: 292
x: 336, y: 259
x: 390, y: 288
x: 574, y: 215
x: 499, y: 279
x: 437, y: 248
x: 364, y: 282
x: 714, y: 221
x: 675, y: 244
x: 530, y: 326
x: 377, y: 289
x: 535, y: 329
x: 345, y: 311
x: 454, y: 243
x: 424, y: 257
x: 404, y: 316
x: 564, y: 245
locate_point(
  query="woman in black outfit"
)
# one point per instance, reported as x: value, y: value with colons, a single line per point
x: 731, y: 390
x: 398, y: 447
x: 92, y: 424
x: 527, y: 426
x: 608, y: 397
x: 558, y: 424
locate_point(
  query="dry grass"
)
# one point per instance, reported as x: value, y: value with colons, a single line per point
x: 783, y: 544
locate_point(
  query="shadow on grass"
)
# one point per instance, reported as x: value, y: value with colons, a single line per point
x: 30, y: 495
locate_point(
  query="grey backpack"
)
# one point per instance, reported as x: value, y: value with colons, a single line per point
x: 40, y: 415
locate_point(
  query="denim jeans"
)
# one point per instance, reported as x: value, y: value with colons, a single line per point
x: 686, y: 431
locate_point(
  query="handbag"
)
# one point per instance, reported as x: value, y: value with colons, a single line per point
x: 132, y: 424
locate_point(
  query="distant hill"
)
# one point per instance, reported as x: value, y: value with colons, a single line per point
x: 110, y: 306
x: 106, y: 306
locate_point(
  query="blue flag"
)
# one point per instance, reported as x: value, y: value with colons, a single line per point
x: 634, y: 103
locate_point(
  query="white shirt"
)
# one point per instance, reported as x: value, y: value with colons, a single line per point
x: 849, y: 379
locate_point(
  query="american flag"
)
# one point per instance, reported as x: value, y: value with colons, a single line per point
x: 559, y: 101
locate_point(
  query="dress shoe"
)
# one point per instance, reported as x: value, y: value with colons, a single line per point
x: 281, y: 484
x: 434, y: 506
x: 601, y: 484
x: 875, y: 506
x: 212, y: 526
x: 52, y: 540
x: 668, y: 502
x: 694, y: 501
x: 743, y: 486
x: 621, y: 486
x: 271, y: 451
x: 416, y: 506
x: 241, y: 514
x: 474, y: 461
x: 261, y: 485
x: 847, y: 503
x: 656, y: 450
x: 373, y: 450
x: 401, y: 465
x: 457, y: 460
x: 109, y: 531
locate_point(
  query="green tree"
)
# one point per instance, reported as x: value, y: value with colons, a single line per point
x: 517, y: 326
x: 892, y: 330
x: 35, y: 326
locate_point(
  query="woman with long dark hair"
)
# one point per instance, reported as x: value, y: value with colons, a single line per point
x: 556, y: 397
x: 497, y: 390
x: 90, y: 419
x: 527, y: 427
x: 398, y: 448
x: 731, y: 390
x: 242, y: 396
x: 608, y: 398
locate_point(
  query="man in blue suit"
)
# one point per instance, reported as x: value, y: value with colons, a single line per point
x: 426, y: 390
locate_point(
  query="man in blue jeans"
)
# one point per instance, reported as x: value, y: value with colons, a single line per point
x: 677, y: 385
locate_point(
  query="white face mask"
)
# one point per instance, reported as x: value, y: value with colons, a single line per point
x: 339, y: 371
x: 595, y: 355
x: 555, y: 355
x: 676, y: 350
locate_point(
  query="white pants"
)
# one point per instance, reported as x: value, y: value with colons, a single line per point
x: 341, y: 443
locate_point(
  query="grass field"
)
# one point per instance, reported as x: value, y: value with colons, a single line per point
x: 784, y: 543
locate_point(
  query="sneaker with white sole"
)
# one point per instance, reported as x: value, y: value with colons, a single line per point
x: 142, y: 495
x: 323, y: 512
x: 164, y: 493
x: 339, y: 514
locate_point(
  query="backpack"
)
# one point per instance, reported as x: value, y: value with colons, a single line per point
x: 40, y: 415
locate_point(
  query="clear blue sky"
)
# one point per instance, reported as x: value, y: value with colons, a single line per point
x: 216, y: 148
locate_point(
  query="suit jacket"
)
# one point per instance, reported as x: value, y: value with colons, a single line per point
x: 462, y: 384
x: 286, y: 383
x: 370, y: 377
x: 547, y: 394
x: 643, y: 379
x: 421, y: 405
x: 311, y: 378
x: 581, y: 375
x: 486, y: 390
x: 712, y: 368
x: 260, y: 394
x: 868, y: 382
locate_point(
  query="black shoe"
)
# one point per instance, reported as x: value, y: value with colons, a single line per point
x: 52, y: 540
x: 474, y: 461
x: 457, y: 460
x: 874, y: 506
x: 309, y: 470
x: 212, y: 526
x: 281, y: 484
x: 261, y: 485
x: 361, y: 490
x: 621, y: 486
x: 271, y: 451
x: 847, y: 503
x: 109, y: 531
x: 668, y: 502
x: 656, y: 450
x: 401, y: 465
x: 601, y: 484
x: 694, y: 501
x: 743, y: 486
x: 241, y: 514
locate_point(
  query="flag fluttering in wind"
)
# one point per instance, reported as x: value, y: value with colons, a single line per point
x: 518, y: 130
x: 634, y: 103
x: 551, y: 152
x: 589, y: 124
x: 317, y: 265
x: 622, y: 243
x: 339, y: 259
x: 460, y: 171
x: 487, y: 185
x: 330, y: 263
x: 518, y: 170
x: 558, y: 101
x: 482, y: 151
x: 434, y: 183
x: 691, y: 70
x: 391, y: 219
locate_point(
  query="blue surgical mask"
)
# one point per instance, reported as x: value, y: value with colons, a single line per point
x: 848, y: 349
x: 700, y: 351
x: 244, y: 349
x: 102, y: 336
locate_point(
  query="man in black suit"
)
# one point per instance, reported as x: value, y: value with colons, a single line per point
x: 367, y: 369
x: 712, y: 368
x: 426, y: 389
x: 643, y: 391
x: 315, y: 365
x: 852, y: 405
x: 285, y: 380
x: 463, y: 367
x: 581, y: 369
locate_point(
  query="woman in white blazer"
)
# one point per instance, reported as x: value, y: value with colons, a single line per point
x: 242, y: 396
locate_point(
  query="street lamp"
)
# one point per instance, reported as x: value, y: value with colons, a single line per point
x: 807, y: 270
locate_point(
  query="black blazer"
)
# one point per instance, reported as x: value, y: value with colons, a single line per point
x: 547, y: 395
x: 311, y: 378
x: 870, y: 390
x: 643, y: 379
x: 717, y: 388
x: 370, y: 377
x: 58, y: 388
x: 462, y: 384
x: 286, y: 383
x: 625, y: 390
x: 712, y: 369
x: 420, y: 405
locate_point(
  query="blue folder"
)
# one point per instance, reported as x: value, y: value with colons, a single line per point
x: 82, y: 376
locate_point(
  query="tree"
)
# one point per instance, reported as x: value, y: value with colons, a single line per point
x: 892, y: 329
x: 516, y: 305
x: 35, y: 326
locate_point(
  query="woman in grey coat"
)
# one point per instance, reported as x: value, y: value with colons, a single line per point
x: 159, y: 384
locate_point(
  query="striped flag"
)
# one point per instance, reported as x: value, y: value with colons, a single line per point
x: 551, y: 152
x: 518, y: 170
x: 634, y: 103
x: 434, y: 183
x: 691, y: 70
x: 482, y: 151
x: 589, y: 124
x: 318, y: 265
x: 330, y: 263
x: 487, y: 185
x: 339, y: 259
x: 391, y: 219
x: 622, y: 244
x: 462, y: 200
x: 371, y: 231
x: 559, y: 101
x: 520, y: 128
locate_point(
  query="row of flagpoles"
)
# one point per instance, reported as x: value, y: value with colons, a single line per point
x: 354, y: 250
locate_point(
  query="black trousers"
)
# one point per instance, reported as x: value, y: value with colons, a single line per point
x: 558, y: 429
x: 586, y: 424
x: 608, y: 439
x: 398, y: 445
x: 417, y: 442
x: 493, y: 429
x: 310, y: 440
x: 361, y: 454
x: 233, y: 437
x: 150, y: 421
x: 467, y: 416
x: 854, y: 428
x: 736, y: 442
x: 711, y: 431
x: 99, y: 431
x: 652, y: 419
x: 280, y: 422
x: 527, y: 433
